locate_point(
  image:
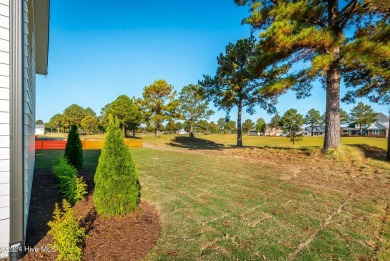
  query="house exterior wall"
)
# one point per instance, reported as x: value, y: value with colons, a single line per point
x: 4, y: 126
x: 29, y: 115
x: 377, y: 133
x: 29, y: 103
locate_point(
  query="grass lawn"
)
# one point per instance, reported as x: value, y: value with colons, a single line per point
x: 259, y: 203
x: 261, y: 141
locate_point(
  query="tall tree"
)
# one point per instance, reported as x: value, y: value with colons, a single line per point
x: 193, y: 105
x: 57, y: 121
x: 89, y: 124
x: 221, y: 124
x: 362, y: 115
x: 233, y: 84
x: 202, y: 126
x: 315, y: 32
x: 344, y: 117
x: 89, y: 111
x: 39, y: 122
x: 127, y: 112
x: 160, y: 104
x: 314, y: 119
x: 247, y: 125
x: 291, y: 123
x: 214, y: 129
x: 73, y: 115
x: 260, y: 125
x: 372, y: 80
x: 230, y: 127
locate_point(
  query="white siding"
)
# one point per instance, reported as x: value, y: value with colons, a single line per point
x: 29, y: 103
x: 4, y: 235
x: 4, y: 125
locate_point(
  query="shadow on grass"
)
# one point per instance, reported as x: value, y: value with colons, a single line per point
x: 371, y: 151
x: 193, y: 143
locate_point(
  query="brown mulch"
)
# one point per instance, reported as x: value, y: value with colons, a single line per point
x: 121, y: 238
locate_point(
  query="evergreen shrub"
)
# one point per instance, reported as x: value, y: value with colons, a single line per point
x: 74, y: 149
x: 117, y: 190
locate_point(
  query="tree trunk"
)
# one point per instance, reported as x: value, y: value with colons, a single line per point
x: 239, y: 127
x: 124, y: 130
x: 192, y: 129
x: 388, y: 141
x: 332, y: 119
x: 133, y: 133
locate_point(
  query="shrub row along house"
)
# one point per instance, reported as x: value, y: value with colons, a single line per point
x: 24, y: 38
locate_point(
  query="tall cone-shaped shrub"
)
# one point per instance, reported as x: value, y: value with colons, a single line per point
x: 117, y: 189
x: 74, y: 149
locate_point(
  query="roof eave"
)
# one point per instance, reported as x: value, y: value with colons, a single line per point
x: 42, y: 17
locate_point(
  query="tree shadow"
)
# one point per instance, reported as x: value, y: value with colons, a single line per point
x: 371, y: 151
x: 193, y: 143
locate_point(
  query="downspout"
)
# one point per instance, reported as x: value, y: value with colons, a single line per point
x: 16, y: 239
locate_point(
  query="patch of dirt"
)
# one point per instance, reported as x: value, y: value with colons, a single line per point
x: 121, y: 238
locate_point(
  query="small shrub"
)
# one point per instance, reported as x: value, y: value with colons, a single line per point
x: 71, y: 186
x: 117, y: 190
x: 66, y: 232
x: 74, y: 149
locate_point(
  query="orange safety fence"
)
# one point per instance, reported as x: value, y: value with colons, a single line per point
x: 86, y: 144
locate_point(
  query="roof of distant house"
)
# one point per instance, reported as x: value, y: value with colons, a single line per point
x: 39, y: 126
x: 382, y: 118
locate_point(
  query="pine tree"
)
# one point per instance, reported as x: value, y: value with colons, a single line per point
x: 337, y: 39
x: 117, y: 190
x: 73, y: 149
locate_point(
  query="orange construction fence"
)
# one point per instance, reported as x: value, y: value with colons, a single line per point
x: 87, y: 144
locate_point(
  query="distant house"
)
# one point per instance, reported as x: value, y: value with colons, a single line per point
x: 273, y: 131
x: 181, y: 131
x: 39, y: 129
x: 317, y: 131
x: 24, y: 42
x: 253, y: 133
x: 380, y: 128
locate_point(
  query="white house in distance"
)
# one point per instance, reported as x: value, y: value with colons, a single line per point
x: 39, y: 129
x: 24, y: 38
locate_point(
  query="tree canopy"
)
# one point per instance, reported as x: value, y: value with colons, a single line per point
x: 233, y: 84
x: 73, y: 115
x: 313, y: 119
x: 362, y: 115
x: 193, y: 105
x: 336, y: 39
x: 291, y: 123
x: 160, y: 104
x: 127, y: 112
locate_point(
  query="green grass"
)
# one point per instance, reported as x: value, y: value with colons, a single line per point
x: 225, y: 205
x: 261, y: 141
x: 46, y: 159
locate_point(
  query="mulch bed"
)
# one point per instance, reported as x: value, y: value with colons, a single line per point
x: 120, y: 238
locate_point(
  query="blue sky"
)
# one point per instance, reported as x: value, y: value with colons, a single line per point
x: 99, y: 51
